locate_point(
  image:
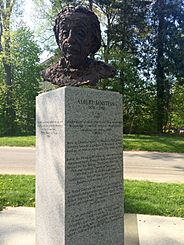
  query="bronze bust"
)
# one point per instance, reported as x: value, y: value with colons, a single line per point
x: 77, y: 33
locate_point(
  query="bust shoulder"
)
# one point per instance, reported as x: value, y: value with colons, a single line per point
x: 93, y: 70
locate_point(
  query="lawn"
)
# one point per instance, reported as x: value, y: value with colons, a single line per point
x: 140, y: 196
x: 17, y: 141
x: 145, y: 197
x: 17, y: 190
x: 164, y: 143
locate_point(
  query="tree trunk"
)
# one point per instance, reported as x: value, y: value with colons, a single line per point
x: 10, y: 113
x: 160, y: 75
x: 8, y: 73
x: 5, y: 51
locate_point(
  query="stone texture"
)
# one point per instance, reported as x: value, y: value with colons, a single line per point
x: 79, y: 168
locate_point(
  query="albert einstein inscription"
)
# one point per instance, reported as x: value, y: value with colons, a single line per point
x: 94, y: 167
x: 49, y: 128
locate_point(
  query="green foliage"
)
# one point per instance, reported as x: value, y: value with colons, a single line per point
x: 144, y: 197
x: 163, y: 51
x: 2, y: 107
x: 6, y: 10
x: 25, y: 87
x: 138, y: 96
x: 125, y: 28
x: 176, y: 119
x: 26, y: 75
x: 130, y: 23
x: 7, y: 112
x: 143, y: 39
x: 149, y: 59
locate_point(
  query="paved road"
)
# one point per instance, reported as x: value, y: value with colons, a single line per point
x: 17, y: 160
x: 153, y: 166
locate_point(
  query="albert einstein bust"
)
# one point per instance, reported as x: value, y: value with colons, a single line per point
x: 77, y: 33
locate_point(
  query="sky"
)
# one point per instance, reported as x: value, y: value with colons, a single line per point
x: 28, y: 17
x: 28, y: 12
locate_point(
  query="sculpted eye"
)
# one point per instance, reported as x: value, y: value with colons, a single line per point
x: 65, y: 34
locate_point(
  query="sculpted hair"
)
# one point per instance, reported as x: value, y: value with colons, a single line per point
x: 91, y: 18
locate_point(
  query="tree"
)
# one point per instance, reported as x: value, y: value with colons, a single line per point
x: 176, y: 118
x: 26, y: 76
x: 6, y: 9
x: 125, y: 22
x: 165, y: 46
x: 19, y: 75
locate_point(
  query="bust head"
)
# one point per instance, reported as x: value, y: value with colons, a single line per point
x: 77, y: 32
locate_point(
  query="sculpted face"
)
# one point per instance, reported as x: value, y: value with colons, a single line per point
x: 75, y: 40
x: 77, y: 33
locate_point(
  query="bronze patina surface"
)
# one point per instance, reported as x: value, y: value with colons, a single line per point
x: 77, y: 32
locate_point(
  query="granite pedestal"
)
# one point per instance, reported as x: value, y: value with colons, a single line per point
x: 79, y: 193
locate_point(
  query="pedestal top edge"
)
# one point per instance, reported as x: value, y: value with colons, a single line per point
x: 77, y: 89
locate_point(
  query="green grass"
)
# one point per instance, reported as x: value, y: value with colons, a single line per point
x: 17, y: 141
x: 145, y: 197
x: 164, y: 143
x: 17, y: 190
x: 140, y: 196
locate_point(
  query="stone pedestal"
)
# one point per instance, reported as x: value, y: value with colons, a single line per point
x: 79, y: 181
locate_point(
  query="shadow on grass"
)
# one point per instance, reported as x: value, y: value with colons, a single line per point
x: 141, y: 208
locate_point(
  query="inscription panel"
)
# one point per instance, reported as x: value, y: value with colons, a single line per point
x: 50, y: 168
x: 94, y: 185
x: 89, y: 220
x: 50, y: 128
